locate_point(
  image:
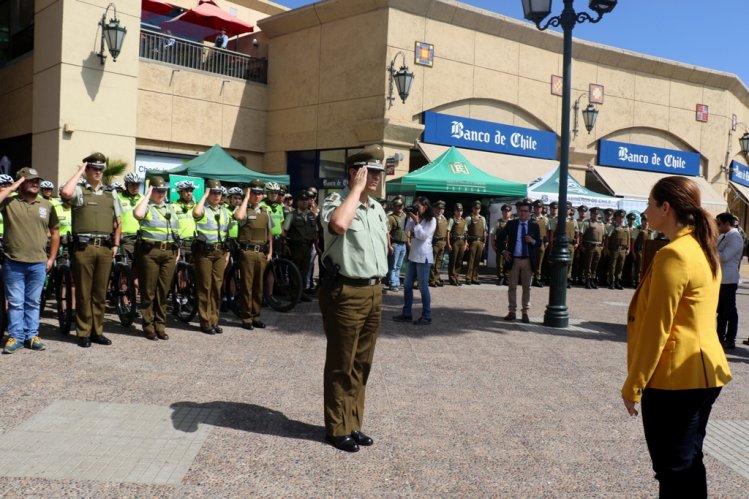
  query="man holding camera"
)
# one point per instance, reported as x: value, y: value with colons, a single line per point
x: 96, y: 238
x: 355, y: 228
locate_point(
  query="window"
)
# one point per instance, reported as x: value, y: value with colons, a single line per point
x: 16, y: 28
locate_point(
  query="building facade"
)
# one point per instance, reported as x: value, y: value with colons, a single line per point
x: 327, y: 88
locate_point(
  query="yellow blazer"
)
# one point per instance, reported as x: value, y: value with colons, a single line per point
x: 672, y: 343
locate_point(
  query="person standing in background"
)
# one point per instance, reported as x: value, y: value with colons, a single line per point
x: 730, y: 248
x: 476, y: 236
x: 439, y: 241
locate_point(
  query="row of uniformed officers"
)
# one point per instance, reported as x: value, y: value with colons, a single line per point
x: 154, y: 233
x: 602, y: 245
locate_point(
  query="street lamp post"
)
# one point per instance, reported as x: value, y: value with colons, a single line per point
x: 557, y: 314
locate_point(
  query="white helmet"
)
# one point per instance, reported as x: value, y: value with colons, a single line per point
x: 272, y: 186
x: 5, y: 179
x: 116, y: 186
x: 132, y: 178
x: 224, y: 192
x: 185, y: 184
x: 235, y: 190
x: 46, y: 184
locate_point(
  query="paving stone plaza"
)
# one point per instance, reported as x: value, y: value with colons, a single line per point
x: 471, y: 406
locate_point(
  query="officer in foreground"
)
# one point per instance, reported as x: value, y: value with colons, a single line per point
x: 355, y: 228
x: 157, y: 252
x: 210, y: 254
x: 96, y: 238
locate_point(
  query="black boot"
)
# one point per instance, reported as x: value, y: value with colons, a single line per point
x: 618, y: 284
x: 588, y: 284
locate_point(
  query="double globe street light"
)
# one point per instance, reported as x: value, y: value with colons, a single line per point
x: 557, y: 314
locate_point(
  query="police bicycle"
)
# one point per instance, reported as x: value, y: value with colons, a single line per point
x: 61, y: 278
x: 121, y: 291
x: 184, y: 292
x: 3, y: 305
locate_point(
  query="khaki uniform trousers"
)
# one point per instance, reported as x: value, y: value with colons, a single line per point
x: 475, y: 251
x: 209, y: 277
x: 456, y: 260
x: 438, y: 250
x: 351, y: 318
x: 91, y: 269
x: 300, y: 256
x: 155, y: 277
x: 540, y: 252
x: 251, y: 265
x: 571, y: 249
x: 521, y: 269
x: 616, y: 264
x: 592, y: 257
x: 578, y: 265
x: 637, y: 267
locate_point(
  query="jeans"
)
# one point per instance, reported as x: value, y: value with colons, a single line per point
x: 309, y: 279
x: 394, y: 264
x: 675, y: 422
x: 420, y: 271
x: 728, y: 317
x: 23, y: 289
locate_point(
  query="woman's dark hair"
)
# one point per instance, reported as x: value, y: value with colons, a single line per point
x: 683, y: 196
x: 428, y: 213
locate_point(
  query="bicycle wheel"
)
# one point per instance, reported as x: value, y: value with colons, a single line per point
x: 64, y: 297
x: 123, y: 293
x: 184, y: 302
x: 49, y: 285
x: 283, y: 278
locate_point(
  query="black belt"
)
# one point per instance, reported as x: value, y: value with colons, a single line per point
x: 398, y: 242
x: 96, y: 241
x: 257, y: 248
x: 521, y: 257
x: 351, y: 281
x: 457, y: 238
x: 472, y: 239
x: 207, y: 247
x: 160, y: 245
x: 437, y: 239
x: 591, y: 243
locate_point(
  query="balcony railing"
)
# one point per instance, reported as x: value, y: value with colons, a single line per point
x: 188, y: 54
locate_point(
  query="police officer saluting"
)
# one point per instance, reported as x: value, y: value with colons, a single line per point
x: 456, y: 244
x: 355, y: 230
x: 183, y: 209
x: 210, y: 254
x: 255, y: 241
x: 300, y: 228
x: 129, y: 199
x: 476, y: 236
x: 439, y: 241
x: 157, y: 252
x: 96, y: 237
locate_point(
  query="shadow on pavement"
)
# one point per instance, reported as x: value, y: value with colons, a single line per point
x: 244, y: 417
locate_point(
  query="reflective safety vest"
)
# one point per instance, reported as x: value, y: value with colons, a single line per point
x: 186, y: 220
x: 130, y: 224
x: 214, y: 230
x: 157, y: 227
x: 276, y: 213
x: 2, y: 225
x: 65, y: 217
x: 95, y: 215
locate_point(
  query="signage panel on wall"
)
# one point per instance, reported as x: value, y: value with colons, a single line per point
x: 649, y: 159
x: 739, y: 173
x: 488, y: 136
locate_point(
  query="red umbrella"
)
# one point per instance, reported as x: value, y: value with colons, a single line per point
x: 156, y: 7
x: 208, y: 15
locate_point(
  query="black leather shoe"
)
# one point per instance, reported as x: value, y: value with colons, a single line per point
x: 100, y: 339
x: 258, y: 324
x: 402, y: 318
x: 361, y: 438
x: 208, y: 330
x: 84, y: 342
x: 305, y: 298
x: 440, y: 283
x: 432, y: 285
x: 422, y: 322
x: 593, y: 284
x: 248, y: 326
x: 344, y: 443
x: 218, y: 329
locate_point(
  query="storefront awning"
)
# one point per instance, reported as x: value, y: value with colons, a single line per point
x: 507, y: 166
x: 741, y: 190
x: 635, y: 184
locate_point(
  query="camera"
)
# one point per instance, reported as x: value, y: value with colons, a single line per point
x: 413, y: 209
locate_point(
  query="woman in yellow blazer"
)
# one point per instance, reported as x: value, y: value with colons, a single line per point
x: 675, y: 363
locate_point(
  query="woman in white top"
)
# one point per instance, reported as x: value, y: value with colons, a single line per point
x: 421, y: 225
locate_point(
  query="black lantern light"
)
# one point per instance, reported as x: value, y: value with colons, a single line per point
x: 590, y: 114
x: 602, y: 6
x: 112, y: 33
x: 403, y: 79
x: 744, y: 143
x: 536, y: 10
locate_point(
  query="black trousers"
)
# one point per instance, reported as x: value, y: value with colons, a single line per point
x: 675, y: 422
x: 728, y: 317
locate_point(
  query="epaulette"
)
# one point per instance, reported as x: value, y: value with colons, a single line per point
x: 333, y: 196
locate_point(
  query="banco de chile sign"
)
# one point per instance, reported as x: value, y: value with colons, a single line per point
x: 649, y: 159
x: 488, y: 136
x: 739, y: 173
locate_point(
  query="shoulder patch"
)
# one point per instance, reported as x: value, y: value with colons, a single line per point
x: 333, y: 196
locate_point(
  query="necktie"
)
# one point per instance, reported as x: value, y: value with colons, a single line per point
x: 523, y: 232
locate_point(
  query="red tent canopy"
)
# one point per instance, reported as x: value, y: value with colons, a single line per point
x: 156, y: 7
x: 207, y: 15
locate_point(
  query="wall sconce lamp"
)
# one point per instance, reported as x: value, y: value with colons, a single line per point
x: 744, y: 143
x: 111, y: 33
x: 590, y: 114
x: 403, y: 78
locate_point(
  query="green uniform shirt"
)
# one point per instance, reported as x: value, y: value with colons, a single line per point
x: 361, y: 252
x: 26, y: 227
x: 78, y: 197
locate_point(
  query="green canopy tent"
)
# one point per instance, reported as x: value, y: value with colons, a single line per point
x: 451, y: 173
x: 546, y: 188
x: 217, y: 164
